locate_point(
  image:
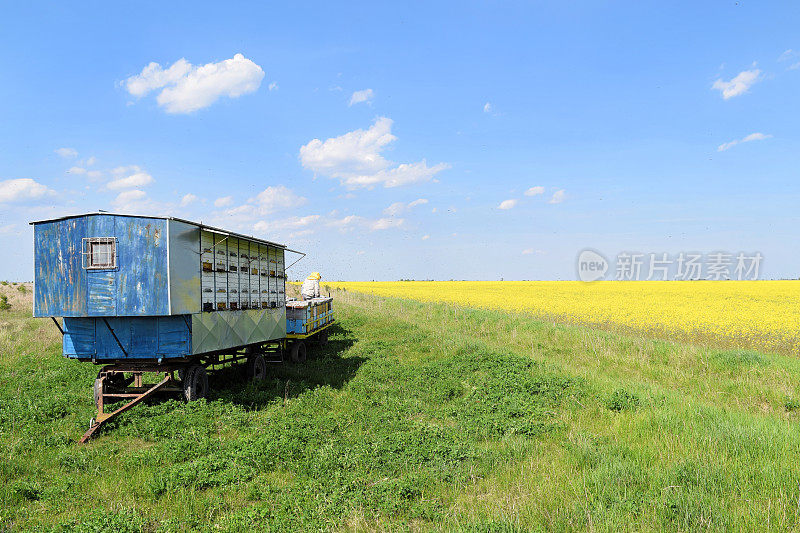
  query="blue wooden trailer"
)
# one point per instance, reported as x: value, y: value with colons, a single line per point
x: 141, y: 294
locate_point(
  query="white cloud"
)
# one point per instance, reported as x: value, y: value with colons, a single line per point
x: 558, y: 197
x: 129, y: 177
x: 273, y: 86
x: 154, y: 77
x: 507, y: 204
x: 395, y: 209
x: 224, y: 201
x: 426, y: 237
x: 76, y: 170
x: 290, y: 223
x: 352, y: 222
x: 276, y: 198
x: 739, y: 84
x: 533, y: 191
x: 345, y: 223
x: 67, y: 152
x: 21, y: 190
x: 91, y: 161
x: 355, y: 159
x: 188, y: 199
x: 487, y: 107
x: 404, y: 174
x: 266, y: 202
x: 790, y: 55
x: 130, y: 196
x: 361, y: 96
x: 94, y: 174
x: 386, y: 223
x: 752, y: 137
x: 8, y: 228
x: 134, y: 201
x: 356, y: 152
x: 186, y: 88
x: 400, y: 207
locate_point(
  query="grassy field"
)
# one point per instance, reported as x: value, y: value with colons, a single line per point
x: 764, y: 315
x: 417, y: 416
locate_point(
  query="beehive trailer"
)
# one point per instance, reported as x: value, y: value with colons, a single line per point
x: 307, y: 320
x: 161, y: 296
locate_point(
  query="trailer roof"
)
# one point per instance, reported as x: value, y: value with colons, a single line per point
x: 198, y: 224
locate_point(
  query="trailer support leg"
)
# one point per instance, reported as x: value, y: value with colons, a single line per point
x: 103, y: 417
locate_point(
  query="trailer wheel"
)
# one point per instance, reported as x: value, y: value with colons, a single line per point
x: 195, y: 383
x: 299, y: 352
x: 256, y: 367
x: 322, y: 338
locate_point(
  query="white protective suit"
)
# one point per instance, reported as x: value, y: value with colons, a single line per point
x: 310, y: 288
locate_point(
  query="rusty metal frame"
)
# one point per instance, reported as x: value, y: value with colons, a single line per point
x: 137, y: 394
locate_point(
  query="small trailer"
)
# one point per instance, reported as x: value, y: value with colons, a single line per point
x: 307, y: 319
x: 167, y: 297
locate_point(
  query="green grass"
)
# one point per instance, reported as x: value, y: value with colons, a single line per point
x: 415, y: 416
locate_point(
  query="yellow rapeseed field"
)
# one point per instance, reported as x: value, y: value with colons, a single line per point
x: 763, y: 314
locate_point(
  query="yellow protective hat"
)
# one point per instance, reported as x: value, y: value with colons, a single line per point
x: 314, y: 275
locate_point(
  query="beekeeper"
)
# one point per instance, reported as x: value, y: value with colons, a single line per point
x: 310, y: 288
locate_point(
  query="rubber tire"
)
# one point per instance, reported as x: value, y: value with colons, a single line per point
x: 195, y: 383
x: 299, y: 353
x: 256, y: 367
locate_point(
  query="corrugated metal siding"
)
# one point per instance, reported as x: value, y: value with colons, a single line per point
x: 221, y: 330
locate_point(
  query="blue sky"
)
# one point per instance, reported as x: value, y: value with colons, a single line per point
x: 399, y: 141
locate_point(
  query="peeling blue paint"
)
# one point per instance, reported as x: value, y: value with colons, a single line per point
x: 142, y: 338
x: 144, y: 306
x: 138, y: 286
